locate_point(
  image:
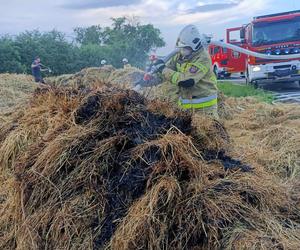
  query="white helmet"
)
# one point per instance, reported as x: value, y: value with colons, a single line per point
x: 189, y: 37
x: 103, y: 62
x: 125, y: 60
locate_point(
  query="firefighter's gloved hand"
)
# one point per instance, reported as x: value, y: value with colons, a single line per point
x: 187, y: 83
x: 158, y: 66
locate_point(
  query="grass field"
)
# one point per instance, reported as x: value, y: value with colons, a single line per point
x: 236, y: 90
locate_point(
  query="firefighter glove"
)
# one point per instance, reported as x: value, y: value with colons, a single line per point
x: 187, y: 83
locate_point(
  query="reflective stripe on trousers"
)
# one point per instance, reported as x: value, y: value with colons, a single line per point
x: 198, y: 103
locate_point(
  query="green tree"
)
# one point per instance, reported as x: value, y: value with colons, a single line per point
x: 53, y: 48
x: 90, y: 35
x: 9, y: 57
x: 90, y: 55
x: 126, y: 38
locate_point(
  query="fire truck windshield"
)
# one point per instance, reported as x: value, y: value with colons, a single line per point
x: 267, y: 33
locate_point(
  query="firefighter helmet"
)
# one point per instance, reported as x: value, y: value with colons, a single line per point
x: 189, y: 37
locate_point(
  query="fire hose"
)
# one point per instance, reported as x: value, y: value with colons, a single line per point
x: 241, y: 50
x: 255, y: 54
x: 151, y: 71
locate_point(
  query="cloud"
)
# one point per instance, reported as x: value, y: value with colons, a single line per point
x: 211, y: 7
x: 93, y: 4
x: 176, y: 12
x: 235, y: 10
x: 168, y: 15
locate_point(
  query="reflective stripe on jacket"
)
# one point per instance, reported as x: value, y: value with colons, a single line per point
x: 199, y: 103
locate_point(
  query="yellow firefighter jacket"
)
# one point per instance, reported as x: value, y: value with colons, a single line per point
x: 204, y: 94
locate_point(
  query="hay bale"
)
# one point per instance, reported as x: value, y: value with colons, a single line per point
x: 112, y: 169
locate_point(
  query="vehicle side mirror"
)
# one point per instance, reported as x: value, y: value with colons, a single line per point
x: 243, y: 34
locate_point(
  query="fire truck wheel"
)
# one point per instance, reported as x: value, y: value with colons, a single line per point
x: 227, y: 75
x: 216, y: 71
x: 251, y: 83
x: 247, y: 79
x: 255, y: 85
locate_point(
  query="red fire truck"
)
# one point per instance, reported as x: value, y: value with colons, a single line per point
x: 276, y: 34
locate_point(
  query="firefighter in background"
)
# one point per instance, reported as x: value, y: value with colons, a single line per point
x: 103, y: 63
x: 191, y: 71
x: 125, y: 63
x: 151, y: 61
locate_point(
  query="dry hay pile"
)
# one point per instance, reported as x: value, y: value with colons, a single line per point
x: 266, y: 134
x: 14, y: 89
x: 97, y: 77
x: 110, y: 169
x: 88, y: 77
x: 61, y: 80
x: 126, y: 77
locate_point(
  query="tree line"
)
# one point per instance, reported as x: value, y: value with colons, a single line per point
x: 125, y: 38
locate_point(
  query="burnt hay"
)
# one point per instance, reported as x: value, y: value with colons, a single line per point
x: 111, y: 169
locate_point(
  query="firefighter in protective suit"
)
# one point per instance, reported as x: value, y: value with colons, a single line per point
x: 190, y: 70
x: 126, y: 64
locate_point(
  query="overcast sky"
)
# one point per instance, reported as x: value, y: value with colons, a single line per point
x: 211, y: 16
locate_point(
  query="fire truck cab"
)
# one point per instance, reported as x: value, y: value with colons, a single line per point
x: 226, y: 61
x: 276, y: 34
